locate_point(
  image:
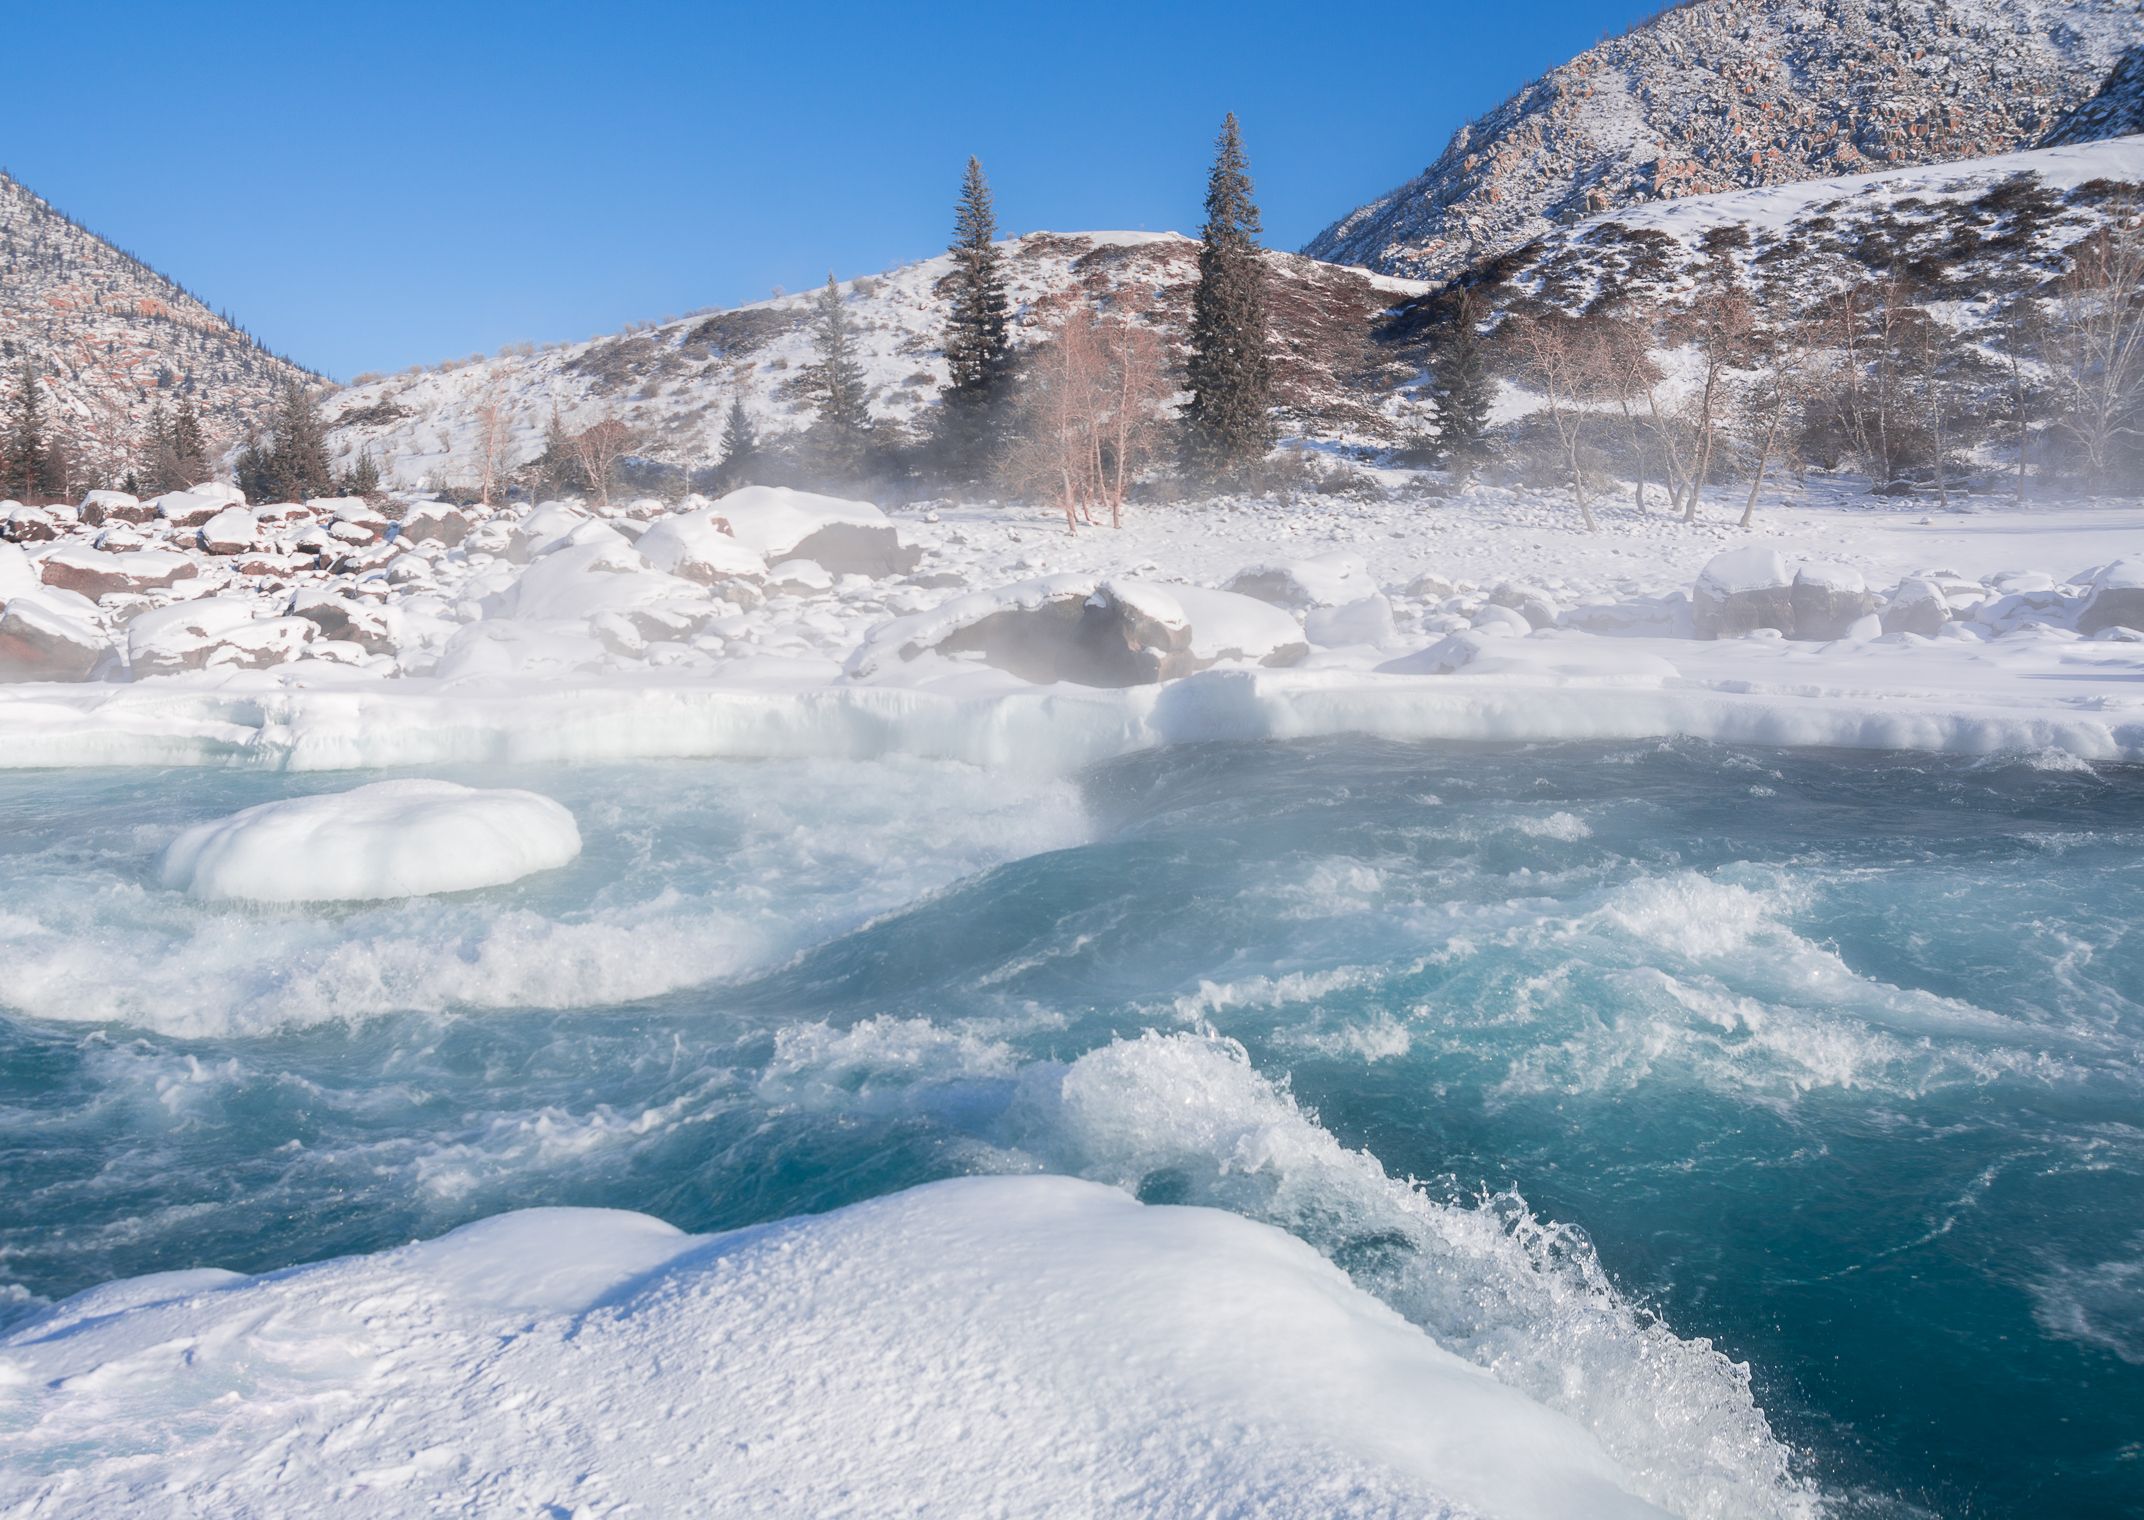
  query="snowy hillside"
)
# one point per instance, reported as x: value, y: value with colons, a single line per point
x: 1722, y: 94
x: 673, y: 382
x: 111, y: 335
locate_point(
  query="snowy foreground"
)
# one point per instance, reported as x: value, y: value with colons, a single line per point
x: 1028, y: 1345
x: 196, y: 629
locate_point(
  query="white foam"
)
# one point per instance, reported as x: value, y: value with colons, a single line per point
x: 390, y: 839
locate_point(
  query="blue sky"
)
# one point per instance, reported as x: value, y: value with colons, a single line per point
x: 372, y: 186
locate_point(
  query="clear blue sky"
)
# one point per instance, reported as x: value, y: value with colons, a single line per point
x: 369, y: 186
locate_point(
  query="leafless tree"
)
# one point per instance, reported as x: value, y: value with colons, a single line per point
x: 494, y: 434
x: 1561, y: 358
x: 598, y: 448
x: 1138, y: 390
x: 1056, y: 444
x: 1786, y: 357
x: 2095, y: 346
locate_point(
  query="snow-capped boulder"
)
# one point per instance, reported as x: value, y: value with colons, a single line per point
x: 1742, y: 590
x: 1827, y: 601
x: 601, y: 573
x: 2117, y: 598
x: 1323, y: 580
x: 1365, y: 622
x: 213, y: 633
x: 348, y: 619
x: 434, y: 522
x: 800, y: 577
x: 17, y: 574
x: 96, y: 574
x: 192, y: 508
x: 36, y: 525
x: 847, y: 537
x: 221, y: 492
x: 1917, y: 606
x: 1074, y: 628
x: 1546, y: 658
x: 1537, y: 607
x: 231, y: 531
x: 118, y: 506
x: 693, y: 547
x: 544, y: 527
x: 49, y: 636
x: 390, y: 839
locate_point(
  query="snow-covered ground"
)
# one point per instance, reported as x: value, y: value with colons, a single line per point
x: 772, y: 623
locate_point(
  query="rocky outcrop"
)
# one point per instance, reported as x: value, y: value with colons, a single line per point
x: 96, y: 574
x: 1727, y: 94
x: 2117, y: 110
x: 2117, y: 598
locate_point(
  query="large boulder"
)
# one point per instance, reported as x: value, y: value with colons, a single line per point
x: 847, y: 537
x: 234, y: 530
x: 1918, y: 606
x: 1323, y: 580
x: 1741, y: 591
x: 115, y: 506
x: 50, y: 636
x: 347, y: 619
x: 95, y: 574
x: 213, y: 633
x: 698, y: 548
x: 1076, y: 629
x: 433, y: 522
x: 2117, y: 598
x: 1828, y: 600
x: 192, y: 508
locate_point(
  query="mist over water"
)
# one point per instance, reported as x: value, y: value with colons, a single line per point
x: 1776, y: 1115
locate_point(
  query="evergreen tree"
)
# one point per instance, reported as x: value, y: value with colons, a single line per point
x: 841, y: 433
x: 1460, y: 380
x: 740, y: 443
x: 1229, y: 422
x: 189, y: 446
x: 23, y: 451
x: 297, y: 464
x: 978, y: 339
x: 558, y: 471
x: 364, y: 477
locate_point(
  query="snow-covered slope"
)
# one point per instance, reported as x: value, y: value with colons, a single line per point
x: 110, y: 335
x: 2117, y: 110
x: 1717, y: 94
x: 673, y: 382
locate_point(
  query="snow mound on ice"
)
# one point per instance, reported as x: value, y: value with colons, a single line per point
x: 389, y: 839
x: 1010, y: 1345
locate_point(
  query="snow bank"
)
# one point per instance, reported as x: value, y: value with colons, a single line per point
x: 1020, y: 1345
x: 847, y: 537
x: 389, y: 839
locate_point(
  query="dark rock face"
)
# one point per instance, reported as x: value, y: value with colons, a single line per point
x: 853, y: 549
x: 1917, y: 606
x: 2113, y: 607
x: 339, y: 617
x: 430, y: 521
x: 1730, y: 614
x: 1087, y: 640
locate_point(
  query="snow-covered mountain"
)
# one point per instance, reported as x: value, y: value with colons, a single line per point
x: 2117, y: 110
x: 110, y: 335
x: 672, y: 382
x: 1717, y: 95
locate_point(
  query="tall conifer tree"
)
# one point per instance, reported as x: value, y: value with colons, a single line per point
x: 189, y: 447
x: 1460, y: 379
x: 1229, y: 421
x: 22, y: 450
x: 740, y: 442
x: 978, y: 339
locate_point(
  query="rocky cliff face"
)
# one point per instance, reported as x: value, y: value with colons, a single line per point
x: 109, y: 335
x: 2117, y: 110
x: 1727, y: 94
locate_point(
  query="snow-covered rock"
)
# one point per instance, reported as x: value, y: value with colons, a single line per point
x: 1322, y: 580
x: 213, y: 633
x: 191, y: 508
x: 1741, y: 590
x: 694, y: 547
x: 2117, y: 598
x: 49, y: 636
x: 434, y: 522
x: 121, y: 505
x: 231, y: 531
x: 1367, y: 622
x: 1918, y: 606
x: 386, y: 840
x: 1827, y: 600
x: 347, y: 619
x: 1074, y: 628
x: 847, y: 537
x: 95, y: 574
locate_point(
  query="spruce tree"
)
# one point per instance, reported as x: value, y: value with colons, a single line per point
x: 364, y: 477
x: 1229, y: 421
x: 158, y: 462
x: 1464, y: 390
x: 842, y: 429
x: 978, y: 338
x: 298, y: 465
x: 740, y: 442
x: 23, y: 450
x: 189, y: 446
